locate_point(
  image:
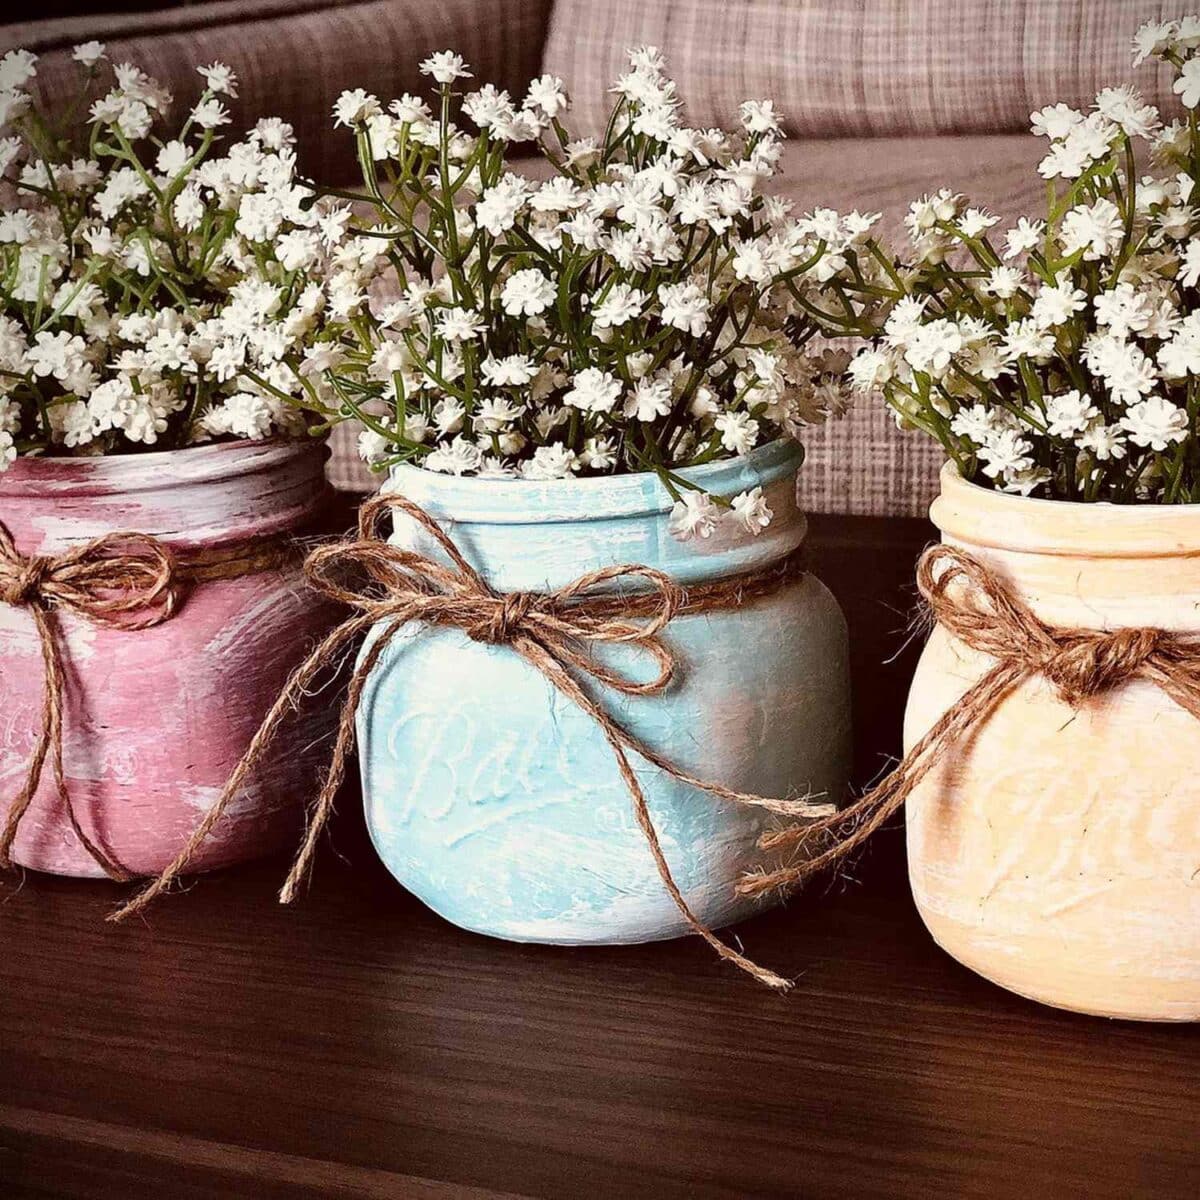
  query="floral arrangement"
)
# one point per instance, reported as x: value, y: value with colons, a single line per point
x: 1063, y: 361
x: 152, y: 294
x: 643, y: 308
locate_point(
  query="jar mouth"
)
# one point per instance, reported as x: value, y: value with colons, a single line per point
x: 108, y: 474
x: 973, y: 515
x: 601, y: 497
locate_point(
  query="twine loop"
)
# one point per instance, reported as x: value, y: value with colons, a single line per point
x: 387, y: 587
x: 972, y: 603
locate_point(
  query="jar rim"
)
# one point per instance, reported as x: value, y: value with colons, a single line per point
x: 601, y: 497
x: 972, y: 515
x: 108, y: 474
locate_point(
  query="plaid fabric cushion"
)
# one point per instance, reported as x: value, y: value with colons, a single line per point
x: 293, y: 57
x: 867, y: 68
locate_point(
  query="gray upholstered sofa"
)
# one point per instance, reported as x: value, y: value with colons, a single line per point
x: 884, y: 99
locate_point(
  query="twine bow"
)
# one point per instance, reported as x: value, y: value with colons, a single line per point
x: 971, y: 603
x: 387, y: 586
x: 121, y: 580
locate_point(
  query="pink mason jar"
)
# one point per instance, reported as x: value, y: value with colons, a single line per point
x: 154, y: 720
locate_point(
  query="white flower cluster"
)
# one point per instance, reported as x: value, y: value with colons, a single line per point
x: 151, y: 292
x: 1063, y: 358
x: 644, y: 308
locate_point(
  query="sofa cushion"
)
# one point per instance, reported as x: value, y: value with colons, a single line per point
x: 293, y: 57
x: 861, y: 463
x: 839, y: 68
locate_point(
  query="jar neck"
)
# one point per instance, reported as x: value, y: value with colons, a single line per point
x: 1089, y: 565
x: 545, y: 551
x: 201, y: 496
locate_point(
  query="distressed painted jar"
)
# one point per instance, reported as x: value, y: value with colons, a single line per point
x: 499, y: 803
x: 1059, y: 853
x: 156, y: 719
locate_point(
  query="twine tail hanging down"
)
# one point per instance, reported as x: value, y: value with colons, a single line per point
x: 974, y: 606
x: 387, y: 586
x: 121, y: 580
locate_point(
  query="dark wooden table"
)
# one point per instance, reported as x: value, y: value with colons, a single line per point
x: 358, y: 1046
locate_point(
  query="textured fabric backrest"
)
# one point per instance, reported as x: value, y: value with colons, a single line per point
x: 294, y: 57
x: 861, y: 67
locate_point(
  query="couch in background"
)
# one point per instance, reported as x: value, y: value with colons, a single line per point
x: 883, y: 100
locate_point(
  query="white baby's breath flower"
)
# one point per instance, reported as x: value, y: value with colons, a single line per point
x: 220, y: 79
x: 870, y: 369
x: 1106, y: 443
x: 932, y: 346
x: 1096, y: 229
x: 1187, y: 86
x: 1155, y: 423
x: 593, y: 390
x: 1056, y: 304
x: 551, y: 462
x: 975, y: 222
x: 759, y: 116
x: 1124, y: 107
x: 1069, y: 414
x: 1055, y: 121
x: 599, y: 454
x: 13, y: 104
x: 694, y: 515
x: 547, y: 95
x: 621, y: 304
x: 211, y: 114
x: 684, y: 306
x: 17, y: 68
x: 445, y: 67
x: 1006, y: 452
x: 509, y: 371
x: 649, y: 399
x: 527, y: 292
x: 89, y: 53
x: 459, y: 457
x: 751, y: 511
x: 1152, y: 39
x: 373, y: 447
x: 460, y: 324
x: 1004, y: 282
x: 739, y: 432
x: 354, y: 107
x: 1025, y: 339
x: 1023, y: 237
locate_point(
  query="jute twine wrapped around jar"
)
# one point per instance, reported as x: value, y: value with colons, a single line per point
x: 973, y: 605
x: 127, y: 581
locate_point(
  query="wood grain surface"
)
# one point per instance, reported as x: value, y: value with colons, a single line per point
x: 358, y: 1046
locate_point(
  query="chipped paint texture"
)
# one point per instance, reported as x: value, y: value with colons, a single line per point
x: 1059, y: 853
x: 156, y: 719
x: 499, y: 803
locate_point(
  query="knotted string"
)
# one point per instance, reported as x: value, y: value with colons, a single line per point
x: 971, y: 604
x: 387, y: 586
x: 126, y: 581
x: 121, y: 580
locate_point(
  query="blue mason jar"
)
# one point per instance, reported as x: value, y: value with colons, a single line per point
x: 499, y: 803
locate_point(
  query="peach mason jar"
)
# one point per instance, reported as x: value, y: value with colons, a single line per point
x: 156, y: 719
x: 1058, y: 852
